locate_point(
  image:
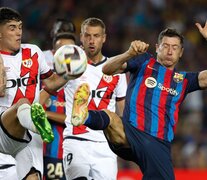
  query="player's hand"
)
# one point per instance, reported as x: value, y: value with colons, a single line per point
x: 138, y: 47
x: 81, y: 46
x: 203, y: 30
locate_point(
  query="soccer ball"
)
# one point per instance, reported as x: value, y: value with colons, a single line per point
x: 70, y: 59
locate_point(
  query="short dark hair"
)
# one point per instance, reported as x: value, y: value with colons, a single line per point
x: 8, y: 14
x: 62, y: 25
x: 64, y: 35
x: 93, y: 22
x: 169, y: 32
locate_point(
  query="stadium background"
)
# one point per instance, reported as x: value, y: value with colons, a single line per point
x: 127, y: 20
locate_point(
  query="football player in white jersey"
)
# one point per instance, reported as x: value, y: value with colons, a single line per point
x: 55, y: 109
x: 24, y: 66
x: 60, y: 27
x: 7, y: 162
x: 86, y: 154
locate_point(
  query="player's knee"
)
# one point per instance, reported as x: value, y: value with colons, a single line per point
x: 33, y: 174
x: 22, y: 101
x: 114, y: 118
x: 115, y: 131
x: 80, y: 178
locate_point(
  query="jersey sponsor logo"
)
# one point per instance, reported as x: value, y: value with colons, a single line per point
x: 27, y: 63
x: 178, y: 77
x: 52, y: 102
x: 100, y: 93
x: 24, y: 81
x: 169, y: 90
x: 151, y: 82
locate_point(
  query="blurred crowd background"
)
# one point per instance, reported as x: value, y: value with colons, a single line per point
x: 127, y: 20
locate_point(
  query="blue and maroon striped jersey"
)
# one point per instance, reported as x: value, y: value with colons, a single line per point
x: 55, y: 104
x: 154, y: 96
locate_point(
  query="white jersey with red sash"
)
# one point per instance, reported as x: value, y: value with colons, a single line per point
x: 24, y: 71
x: 105, y: 91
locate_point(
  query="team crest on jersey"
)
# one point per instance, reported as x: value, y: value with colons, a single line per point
x: 27, y: 63
x: 108, y: 79
x: 178, y: 77
x: 150, y: 82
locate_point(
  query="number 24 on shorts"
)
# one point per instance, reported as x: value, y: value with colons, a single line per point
x: 54, y: 170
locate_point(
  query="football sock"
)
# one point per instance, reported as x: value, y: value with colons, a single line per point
x: 24, y: 116
x: 97, y: 120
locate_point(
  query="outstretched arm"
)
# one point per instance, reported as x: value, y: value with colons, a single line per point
x: 2, y: 78
x: 202, y: 77
x: 53, y: 116
x: 55, y: 82
x: 117, y: 64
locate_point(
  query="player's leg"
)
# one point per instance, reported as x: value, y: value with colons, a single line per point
x: 115, y: 132
x: 22, y: 116
x: 108, y: 121
x: 10, y: 121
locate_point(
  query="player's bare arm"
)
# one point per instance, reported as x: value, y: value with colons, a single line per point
x: 202, y: 78
x: 56, y: 117
x: 55, y: 82
x: 2, y: 78
x: 44, y: 96
x: 117, y: 64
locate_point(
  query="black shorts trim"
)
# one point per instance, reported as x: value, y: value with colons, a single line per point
x: 82, y: 139
x: 6, y: 166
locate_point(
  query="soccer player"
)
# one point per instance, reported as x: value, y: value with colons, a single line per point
x: 7, y: 163
x: 55, y: 105
x: 24, y: 66
x: 154, y: 95
x: 61, y: 25
x: 85, y: 151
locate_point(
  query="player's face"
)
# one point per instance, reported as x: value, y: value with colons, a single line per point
x: 61, y: 42
x: 10, y: 36
x: 92, y: 39
x: 169, y: 51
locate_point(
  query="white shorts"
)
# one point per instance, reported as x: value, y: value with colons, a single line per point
x: 10, y: 145
x: 93, y: 160
x: 7, y: 167
x: 30, y: 156
x: 8, y: 173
